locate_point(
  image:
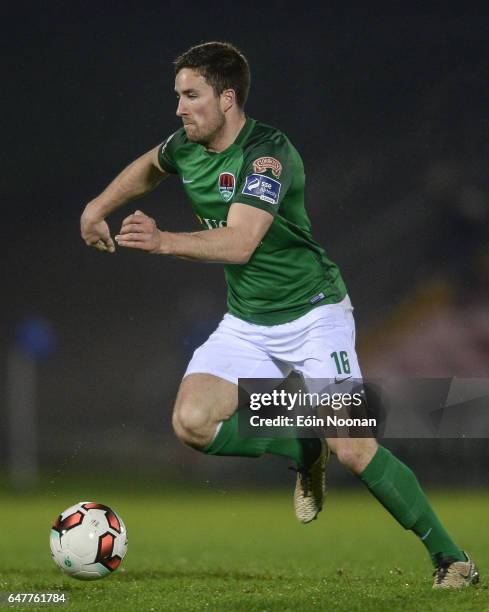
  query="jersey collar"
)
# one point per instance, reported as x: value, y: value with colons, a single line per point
x: 245, y: 131
x: 240, y: 138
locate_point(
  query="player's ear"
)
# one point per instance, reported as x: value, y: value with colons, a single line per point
x: 228, y: 99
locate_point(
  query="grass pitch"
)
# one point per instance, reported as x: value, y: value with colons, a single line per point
x: 217, y: 550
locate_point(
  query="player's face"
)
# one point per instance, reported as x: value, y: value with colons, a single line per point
x: 198, y: 107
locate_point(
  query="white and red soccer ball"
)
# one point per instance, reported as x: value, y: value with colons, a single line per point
x: 88, y: 541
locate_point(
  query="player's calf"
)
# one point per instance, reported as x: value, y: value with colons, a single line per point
x: 354, y: 453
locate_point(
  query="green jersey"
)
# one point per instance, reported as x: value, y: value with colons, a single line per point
x: 289, y: 272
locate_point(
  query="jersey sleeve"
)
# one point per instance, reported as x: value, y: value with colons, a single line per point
x: 166, y: 155
x: 266, y: 175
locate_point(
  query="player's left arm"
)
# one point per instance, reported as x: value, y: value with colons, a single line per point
x: 234, y: 244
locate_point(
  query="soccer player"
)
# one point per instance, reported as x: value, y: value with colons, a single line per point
x: 288, y: 308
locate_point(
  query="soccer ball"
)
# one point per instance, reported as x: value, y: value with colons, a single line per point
x: 88, y: 541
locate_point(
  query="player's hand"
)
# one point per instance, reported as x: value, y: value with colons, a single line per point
x: 138, y: 231
x: 95, y: 231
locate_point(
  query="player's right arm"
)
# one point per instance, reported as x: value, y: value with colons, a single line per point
x: 140, y: 177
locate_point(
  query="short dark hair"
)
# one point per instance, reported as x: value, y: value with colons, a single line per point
x: 221, y: 64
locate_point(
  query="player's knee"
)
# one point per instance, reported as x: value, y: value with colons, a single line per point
x: 190, y: 424
x: 355, y: 453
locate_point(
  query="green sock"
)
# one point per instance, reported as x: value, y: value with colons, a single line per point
x: 228, y: 442
x: 397, y: 489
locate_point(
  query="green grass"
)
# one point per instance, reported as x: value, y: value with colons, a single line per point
x: 228, y: 551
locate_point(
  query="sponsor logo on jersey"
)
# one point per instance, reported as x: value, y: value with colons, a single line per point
x: 262, y: 187
x: 227, y: 184
x: 262, y: 164
x: 211, y: 223
x: 214, y: 223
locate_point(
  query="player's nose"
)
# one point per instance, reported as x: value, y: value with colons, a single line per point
x: 181, y: 110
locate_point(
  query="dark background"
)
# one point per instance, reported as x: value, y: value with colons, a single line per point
x: 391, y: 114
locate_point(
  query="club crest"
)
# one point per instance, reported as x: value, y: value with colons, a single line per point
x: 227, y: 185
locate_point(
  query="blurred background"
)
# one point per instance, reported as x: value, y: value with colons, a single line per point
x: 391, y: 115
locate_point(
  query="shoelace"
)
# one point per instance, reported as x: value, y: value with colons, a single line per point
x: 305, y: 479
x: 442, y: 569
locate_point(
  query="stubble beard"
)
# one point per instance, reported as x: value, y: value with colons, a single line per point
x: 211, y: 133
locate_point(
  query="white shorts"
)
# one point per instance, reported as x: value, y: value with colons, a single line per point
x: 318, y: 345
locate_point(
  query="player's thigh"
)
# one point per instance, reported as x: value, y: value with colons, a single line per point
x: 210, y: 384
